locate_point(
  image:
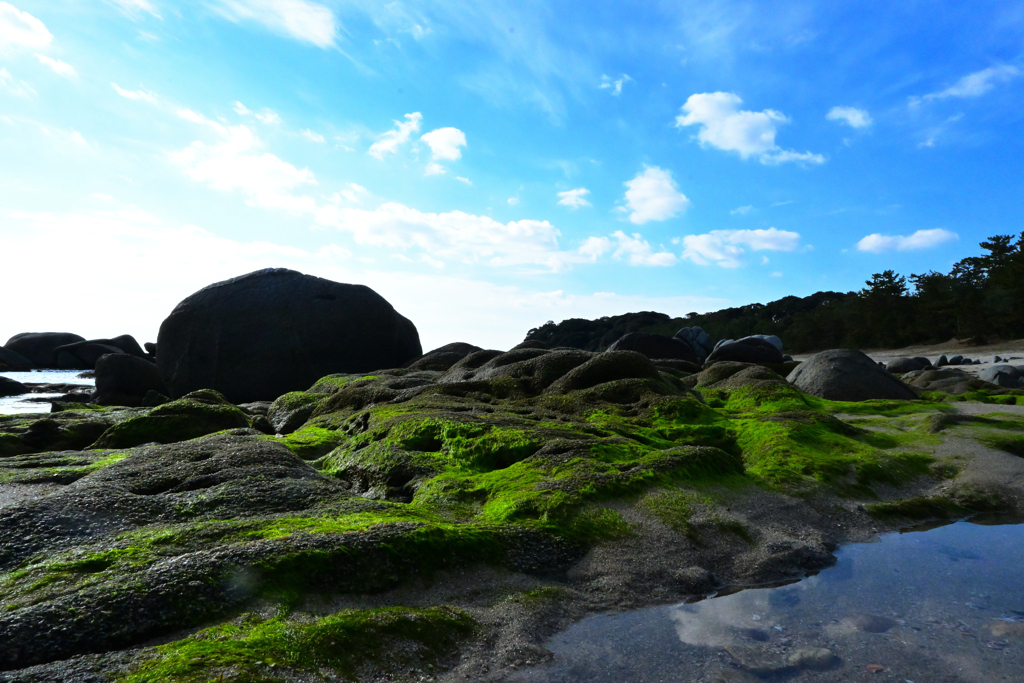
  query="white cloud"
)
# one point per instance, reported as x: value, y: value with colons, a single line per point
x: 614, y: 85
x: 135, y: 7
x: 465, y: 181
x: 653, y: 196
x: 434, y: 168
x: 742, y: 210
x: 21, y: 29
x: 147, y: 266
x: 445, y: 143
x: 139, y: 95
x: 748, y: 133
x: 973, y: 85
x: 635, y: 249
x: 851, y: 116
x: 512, y: 201
x: 235, y: 163
x: 389, y: 142
x: 574, y: 198
x: 16, y: 87
x: 922, y: 239
x: 311, y: 135
x: 726, y: 248
x: 352, y: 192
x: 60, y: 68
x: 306, y: 21
x: 453, y: 235
x: 268, y: 117
x: 241, y: 109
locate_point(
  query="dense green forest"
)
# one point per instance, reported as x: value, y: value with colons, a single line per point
x: 979, y: 299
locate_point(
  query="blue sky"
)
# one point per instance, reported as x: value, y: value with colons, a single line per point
x: 491, y: 166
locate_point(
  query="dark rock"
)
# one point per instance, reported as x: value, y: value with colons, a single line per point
x: 606, y: 367
x: 1003, y: 375
x: 39, y: 347
x: 948, y: 380
x: 531, y: 370
x: 529, y: 344
x: 153, y: 399
x: 10, y: 387
x: 847, y: 375
x: 123, y: 379
x: 12, y: 360
x: 83, y: 355
x: 900, y: 366
x: 444, y: 357
x: 732, y: 375
x: 698, y: 341
x: 262, y: 335
x: 655, y: 346
x: 956, y: 360
x: 746, y: 350
x: 150, y: 349
x: 677, y: 365
x: 942, y: 361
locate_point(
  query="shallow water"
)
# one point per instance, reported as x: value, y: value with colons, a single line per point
x: 943, y: 604
x: 17, y: 404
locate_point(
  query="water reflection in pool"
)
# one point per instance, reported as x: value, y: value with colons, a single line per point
x: 945, y: 604
x: 18, y: 404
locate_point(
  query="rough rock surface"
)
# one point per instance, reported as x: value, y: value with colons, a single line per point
x: 698, y: 340
x: 39, y: 347
x: 746, y: 350
x: 443, y: 357
x: 83, y: 355
x: 846, y: 375
x: 124, y: 380
x: 12, y: 360
x: 261, y: 335
x: 656, y: 346
x: 900, y: 366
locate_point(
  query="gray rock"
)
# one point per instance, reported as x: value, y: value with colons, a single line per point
x: 125, y: 380
x: 847, y: 375
x: 10, y: 387
x: 942, y: 361
x: 997, y: 359
x: 656, y: 346
x: 1002, y: 375
x: 39, y: 347
x: 262, y: 335
x: 289, y: 412
x: 900, y: 366
x: 746, y: 350
x: 956, y: 360
x: 816, y: 658
x: 83, y: 355
x: 698, y: 341
x: 444, y: 357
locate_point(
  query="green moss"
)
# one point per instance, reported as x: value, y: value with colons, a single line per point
x: 312, y: 442
x: 674, y: 508
x: 389, y: 638
x: 198, y: 414
x: 1014, y: 445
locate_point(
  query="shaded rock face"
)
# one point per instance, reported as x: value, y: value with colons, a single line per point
x: 747, y: 350
x: 261, y: 335
x: 9, y: 387
x: 1003, y: 375
x: 39, y: 347
x: 698, y: 340
x: 443, y: 357
x: 846, y: 375
x: 83, y: 355
x: 124, y: 380
x: 656, y: 346
x: 194, y: 415
x: 900, y: 366
x: 12, y: 360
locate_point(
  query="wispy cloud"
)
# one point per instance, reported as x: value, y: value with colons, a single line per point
x: 135, y: 8
x: 312, y: 136
x: 725, y: 126
x: 574, y: 198
x: 742, y: 210
x: 302, y: 20
x: 60, y: 68
x: 922, y: 239
x: 614, y: 86
x: 21, y: 29
x: 851, y: 116
x: 653, y: 196
x: 973, y: 85
x: 634, y: 249
x: 15, y: 86
x: 726, y: 248
x: 389, y: 142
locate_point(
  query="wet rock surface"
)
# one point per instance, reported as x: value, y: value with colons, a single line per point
x: 490, y: 497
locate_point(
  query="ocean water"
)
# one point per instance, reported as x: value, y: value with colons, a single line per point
x: 941, y: 605
x: 17, y: 404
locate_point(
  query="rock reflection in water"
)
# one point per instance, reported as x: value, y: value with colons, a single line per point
x: 943, y: 605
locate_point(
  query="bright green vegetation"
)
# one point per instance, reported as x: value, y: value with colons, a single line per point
x: 60, y: 468
x: 197, y: 414
x: 251, y: 648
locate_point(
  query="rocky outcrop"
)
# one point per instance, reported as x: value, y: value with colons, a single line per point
x: 899, y: 366
x: 10, y: 387
x: 14, y: 361
x: 698, y: 340
x: 261, y: 335
x: 656, y: 346
x: 755, y: 349
x: 39, y: 347
x: 847, y: 375
x: 442, y: 358
x: 84, y: 354
x: 124, y: 380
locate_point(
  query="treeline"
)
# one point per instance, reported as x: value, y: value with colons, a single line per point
x: 980, y: 299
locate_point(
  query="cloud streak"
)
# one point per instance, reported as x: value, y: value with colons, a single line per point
x: 301, y: 20
x: 922, y: 239
x: 726, y: 248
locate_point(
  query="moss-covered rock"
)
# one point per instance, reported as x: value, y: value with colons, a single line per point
x: 194, y: 415
x: 289, y: 412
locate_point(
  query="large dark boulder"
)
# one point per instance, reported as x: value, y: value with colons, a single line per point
x: 124, y: 380
x: 900, y: 366
x: 847, y: 375
x: 262, y: 335
x: 655, y: 346
x: 83, y: 355
x: 39, y: 347
x: 14, y: 361
x: 698, y: 340
x: 442, y: 358
x: 747, y: 350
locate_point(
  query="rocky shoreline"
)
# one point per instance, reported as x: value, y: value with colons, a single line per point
x: 440, y: 519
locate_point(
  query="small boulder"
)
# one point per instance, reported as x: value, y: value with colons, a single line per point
x: 747, y: 350
x: 900, y: 366
x: 289, y: 412
x: 1003, y: 375
x: 125, y: 380
x: 847, y: 375
x: 264, y: 334
x: 956, y: 360
x: 942, y: 361
x: 39, y: 347
x: 655, y: 346
x: 698, y: 341
x: 10, y: 387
